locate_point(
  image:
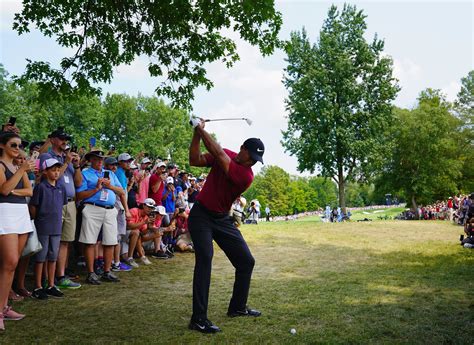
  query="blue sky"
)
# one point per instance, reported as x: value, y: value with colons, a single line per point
x: 431, y: 43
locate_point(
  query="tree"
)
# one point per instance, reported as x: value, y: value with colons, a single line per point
x: 339, y: 103
x: 425, y: 162
x: 178, y: 37
x: 464, y: 109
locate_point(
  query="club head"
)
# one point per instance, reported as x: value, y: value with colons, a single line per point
x: 249, y: 122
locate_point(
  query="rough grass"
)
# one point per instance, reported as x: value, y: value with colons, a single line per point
x: 372, y: 282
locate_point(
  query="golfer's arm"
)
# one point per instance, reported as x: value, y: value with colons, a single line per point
x: 214, y: 149
x: 195, y: 157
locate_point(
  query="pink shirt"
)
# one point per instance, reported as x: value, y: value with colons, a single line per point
x: 143, y: 193
x: 221, y: 189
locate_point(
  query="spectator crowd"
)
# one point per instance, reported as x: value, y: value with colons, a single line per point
x: 62, y: 206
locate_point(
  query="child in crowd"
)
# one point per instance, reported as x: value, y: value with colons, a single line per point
x: 46, y: 209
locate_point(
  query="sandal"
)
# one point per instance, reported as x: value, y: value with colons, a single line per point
x: 24, y: 292
x: 14, y: 296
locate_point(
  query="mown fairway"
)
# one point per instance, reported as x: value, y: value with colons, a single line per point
x: 372, y: 282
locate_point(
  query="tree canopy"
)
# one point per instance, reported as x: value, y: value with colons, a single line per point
x: 177, y: 37
x: 425, y: 162
x: 339, y: 103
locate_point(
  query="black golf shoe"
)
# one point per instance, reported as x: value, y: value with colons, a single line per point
x: 245, y: 312
x: 203, y: 326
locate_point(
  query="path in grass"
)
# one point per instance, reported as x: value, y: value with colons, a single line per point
x: 386, y: 281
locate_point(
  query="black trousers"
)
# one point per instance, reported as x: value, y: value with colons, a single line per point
x: 205, y: 226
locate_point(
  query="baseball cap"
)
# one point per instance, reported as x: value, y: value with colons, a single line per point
x: 171, y: 166
x: 124, y: 157
x: 49, y: 163
x: 60, y: 133
x: 169, y: 179
x: 146, y: 160
x: 161, y: 164
x: 256, y: 149
x: 161, y: 210
x: 133, y: 166
x: 149, y: 202
x: 110, y: 161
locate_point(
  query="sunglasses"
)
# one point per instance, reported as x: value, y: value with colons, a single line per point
x: 16, y: 146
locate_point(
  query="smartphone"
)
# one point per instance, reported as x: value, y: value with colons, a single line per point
x: 106, y: 174
x: 12, y: 121
x: 92, y: 142
x: 74, y: 149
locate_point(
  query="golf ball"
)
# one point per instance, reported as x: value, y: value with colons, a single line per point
x: 293, y: 331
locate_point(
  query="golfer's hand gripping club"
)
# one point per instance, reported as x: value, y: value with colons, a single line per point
x: 194, y: 121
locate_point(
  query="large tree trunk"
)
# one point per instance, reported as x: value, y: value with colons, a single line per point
x: 341, y: 184
x: 414, y: 206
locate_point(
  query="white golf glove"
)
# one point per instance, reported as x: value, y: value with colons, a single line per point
x: 194, y: 121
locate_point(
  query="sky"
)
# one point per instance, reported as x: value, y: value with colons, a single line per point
x: 431, y: 44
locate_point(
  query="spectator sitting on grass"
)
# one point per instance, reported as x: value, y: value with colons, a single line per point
x: 150, y: 239
x: 183, y: 238
x: 46, y: 208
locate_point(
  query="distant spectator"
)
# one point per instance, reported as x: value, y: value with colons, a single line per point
x: 46, y: 208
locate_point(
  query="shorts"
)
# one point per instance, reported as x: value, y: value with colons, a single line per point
x: 184, y: 239
x: 95, y: 218
x: 14, y: 219
x: 121, y: 222
x: 50, y: 249
x: 69, y: 222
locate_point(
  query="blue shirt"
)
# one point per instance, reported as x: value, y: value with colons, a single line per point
x: 122, y: 177
x: 49, y: 201
x: 67, y: 179
x: 169, y: 203
x: 104, y: 197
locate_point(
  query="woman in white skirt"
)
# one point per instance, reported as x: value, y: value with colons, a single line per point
x: 15, y: 224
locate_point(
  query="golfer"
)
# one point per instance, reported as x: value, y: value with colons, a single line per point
x: 231, y: 174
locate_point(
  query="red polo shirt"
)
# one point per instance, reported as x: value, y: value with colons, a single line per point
x: 221, y: 189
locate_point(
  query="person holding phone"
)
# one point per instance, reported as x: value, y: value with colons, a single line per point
x: 98, y: 193
x: 15, y: 224
x: 71, y: 178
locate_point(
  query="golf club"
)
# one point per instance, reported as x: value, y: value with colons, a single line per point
x: 249, y: 122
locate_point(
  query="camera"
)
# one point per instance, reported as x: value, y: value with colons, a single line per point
x: 74, y: 148
x: 181, y: 210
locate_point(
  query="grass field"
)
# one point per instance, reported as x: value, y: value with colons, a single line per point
x: 371, y: 282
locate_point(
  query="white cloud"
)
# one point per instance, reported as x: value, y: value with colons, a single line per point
x: 8, y: 8
x: 406, y: 70
x: 451, y: 90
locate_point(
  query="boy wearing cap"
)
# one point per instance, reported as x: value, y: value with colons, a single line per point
x: 231, y: 174
x: 46, y: 206
x: 169, y: 197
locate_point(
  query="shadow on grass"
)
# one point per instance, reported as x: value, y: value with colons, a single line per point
x: 329, y: 293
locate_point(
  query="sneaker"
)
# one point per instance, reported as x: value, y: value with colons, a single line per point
x: 53, y: 291
x: 145, y: 260
x: 245, y: 312
x: 93, y: 279
x: 132, y: 262
x: 81, y: 261
x: 124, y: 267
x: 203, y: 326
x: 99, y: 271
x: 10, y: 314
x: 115, y: 267
x: 159, y: 255
x: 24, y: 292
x: 66, y: 283
x: 71, y: 275
x: 110, y: 277
x: 40, y: 293
x: 169, y: 252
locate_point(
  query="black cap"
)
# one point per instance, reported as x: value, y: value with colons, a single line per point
x: 256, y: 149
x: 35, y: 144
x: 171, y: 166
x: 60, y: 133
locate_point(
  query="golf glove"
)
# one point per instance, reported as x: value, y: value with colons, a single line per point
x: 194, y: 121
